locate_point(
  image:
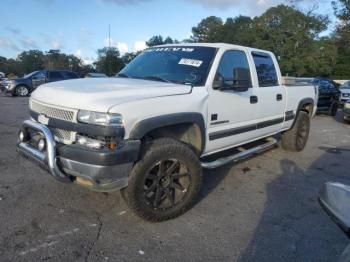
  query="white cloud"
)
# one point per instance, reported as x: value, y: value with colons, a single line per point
x: 253, y: 7
x: 122, y: 46
x: 86, y: 60
x: 78, y: 53
x: 28, y: 42
x: 55, y: 44
x: 139, y: 46
x: 6, y: 43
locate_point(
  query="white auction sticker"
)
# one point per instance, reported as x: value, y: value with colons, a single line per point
x: 190, y: 62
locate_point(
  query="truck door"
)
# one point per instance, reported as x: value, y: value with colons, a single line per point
x: 232, y: 114
x: 327, y: 93
x: 39, y: 79
x: 271, y: 95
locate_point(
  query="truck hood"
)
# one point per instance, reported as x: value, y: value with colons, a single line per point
x: 100, y: 94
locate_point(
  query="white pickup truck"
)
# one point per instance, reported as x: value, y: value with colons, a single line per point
x: 172, y: 111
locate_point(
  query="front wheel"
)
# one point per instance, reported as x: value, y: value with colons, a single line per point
x: 296, y: 138
x: 165, y: 182
x: 21, y: 90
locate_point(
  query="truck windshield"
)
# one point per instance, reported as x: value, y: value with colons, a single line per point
x: 177, y: 64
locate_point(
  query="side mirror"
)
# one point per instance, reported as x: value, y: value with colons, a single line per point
x: 219, y: 82
x: 240, y: 82
x: 241, y: 79
x: 334, y: 198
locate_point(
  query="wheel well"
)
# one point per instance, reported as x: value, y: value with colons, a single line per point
x: 307, y: 108
x: 189, y: 133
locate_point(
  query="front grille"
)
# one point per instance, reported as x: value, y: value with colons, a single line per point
x: 52, y: 111
x: 63, y: 136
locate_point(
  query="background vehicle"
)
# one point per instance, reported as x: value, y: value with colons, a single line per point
x: 345, y: 92
x: 95, y: 75
x: 334, y: 198
x: 27, y: 84
x: 2, y: 82
x: 329, y: 95
x: 150, y: 130
x: 346, y: 111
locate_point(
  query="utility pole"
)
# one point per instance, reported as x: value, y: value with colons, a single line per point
x: 109, y: 50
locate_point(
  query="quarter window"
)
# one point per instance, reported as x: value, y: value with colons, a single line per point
x: 265, y: 68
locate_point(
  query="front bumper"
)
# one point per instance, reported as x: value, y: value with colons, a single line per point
x: 346, y: 114
x: 102, y: 170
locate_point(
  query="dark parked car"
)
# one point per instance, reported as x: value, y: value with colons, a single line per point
x: 27, y: 84
x: 328, y: 96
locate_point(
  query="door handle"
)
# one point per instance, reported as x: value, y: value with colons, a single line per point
x: 279, y: 97
x: 253, y: 99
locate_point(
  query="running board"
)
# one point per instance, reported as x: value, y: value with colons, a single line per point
x: 244, y: 153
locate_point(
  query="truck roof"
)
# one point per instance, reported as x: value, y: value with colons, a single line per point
x: 224, y: 46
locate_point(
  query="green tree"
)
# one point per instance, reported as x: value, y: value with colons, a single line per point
x: 159, y: 40
x: 293, y: 36
x: 109, y: 61
x: 342, y: 38
x: 128, y: 57
x: 209, y: 29
x: 239, y: 31
x: 30, y: 61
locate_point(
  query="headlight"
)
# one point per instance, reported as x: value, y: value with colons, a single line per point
x: 347, y: 105
x: 103, y: 119
x: 7, y: 83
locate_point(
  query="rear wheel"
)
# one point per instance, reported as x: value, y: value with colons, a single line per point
x: 332, y: 111
x: 296, y: 138
x: 22, y: 90
x: 165, y: 182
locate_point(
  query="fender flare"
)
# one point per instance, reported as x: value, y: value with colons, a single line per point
x: 144, y: 126
x: 303, y: 102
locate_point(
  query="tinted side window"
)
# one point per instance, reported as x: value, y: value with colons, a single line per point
x: 265, y: 69
x: 55, y: 76
x: 69, y: 75
x: 233, y: 62
x: 40, y: 75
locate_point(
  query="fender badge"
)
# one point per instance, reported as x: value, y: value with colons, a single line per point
x: 43, y: 119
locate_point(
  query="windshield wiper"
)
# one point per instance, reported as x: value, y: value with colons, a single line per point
x: 157, y: 78
x: 123, y: 75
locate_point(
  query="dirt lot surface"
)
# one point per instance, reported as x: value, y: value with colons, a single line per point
x: 262, y: 209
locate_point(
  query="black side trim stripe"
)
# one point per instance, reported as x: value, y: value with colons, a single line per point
x: 219, y: 122
x: 239, y: 130
x: 231, y: 132
x: 270, y: 123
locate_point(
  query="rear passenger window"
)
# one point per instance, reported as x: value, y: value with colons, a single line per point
x: 265, y: 68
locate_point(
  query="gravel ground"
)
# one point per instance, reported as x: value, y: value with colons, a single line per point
x: 262, y: 209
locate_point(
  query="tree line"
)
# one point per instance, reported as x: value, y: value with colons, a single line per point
x: 300, y: 41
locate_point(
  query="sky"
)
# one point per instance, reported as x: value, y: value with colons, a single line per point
x: 80, y: 27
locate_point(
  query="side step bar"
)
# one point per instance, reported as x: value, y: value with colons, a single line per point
x: 244, y: 153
